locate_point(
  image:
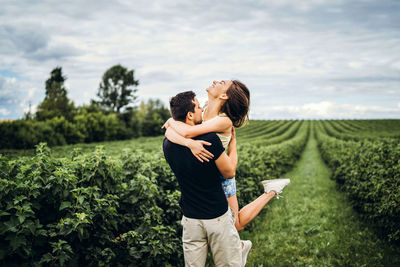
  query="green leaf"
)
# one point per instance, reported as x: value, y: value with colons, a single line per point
x: 21, y: 218
x: 64, y: 205
x: 4, y: 213
x: 80, y: 231
x: 17, y: 241
x: 81, y: 199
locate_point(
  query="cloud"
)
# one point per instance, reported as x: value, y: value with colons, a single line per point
x: 369, y: 79
x: 33, y: 41
x: 159, y: 77
x: 6, y: 88
x: 15, y: 96
x: 54, y: 52
x: 327, y: 110
x: 27, y: 39
x: 4, y: 112
x: 289, y: 53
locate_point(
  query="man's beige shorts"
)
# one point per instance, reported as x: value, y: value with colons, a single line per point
x: 219, y: 233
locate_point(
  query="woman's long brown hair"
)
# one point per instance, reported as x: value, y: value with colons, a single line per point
x: 238, y: 103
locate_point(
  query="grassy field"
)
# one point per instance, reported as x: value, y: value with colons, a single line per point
x: 313, y: 225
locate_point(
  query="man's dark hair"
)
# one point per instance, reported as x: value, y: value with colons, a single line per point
x: 181, y: 104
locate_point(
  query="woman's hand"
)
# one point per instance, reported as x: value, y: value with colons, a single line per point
x: 166, y: 124
x: 198, y: 150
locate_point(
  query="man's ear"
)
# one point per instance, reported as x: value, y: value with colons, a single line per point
x: 189, y: 116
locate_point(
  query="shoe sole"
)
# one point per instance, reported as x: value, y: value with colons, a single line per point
x: 248, y: 250
x: 266, y: 182
x: 282, y: 179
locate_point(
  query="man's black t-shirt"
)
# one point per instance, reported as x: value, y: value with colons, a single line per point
x: 202, y: 196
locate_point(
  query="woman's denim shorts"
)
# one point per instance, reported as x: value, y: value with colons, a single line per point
x: 229, y: 186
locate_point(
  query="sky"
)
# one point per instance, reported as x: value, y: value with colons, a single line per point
x: 309, y: 59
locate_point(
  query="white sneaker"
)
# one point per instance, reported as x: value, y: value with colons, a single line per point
x: 245, y: 250
x: 276, y: 185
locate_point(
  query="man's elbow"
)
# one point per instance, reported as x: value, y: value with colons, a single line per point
x: 229, y: 174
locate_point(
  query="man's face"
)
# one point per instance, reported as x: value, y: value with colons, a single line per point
x: 197, y: 114
x: 218, y: 88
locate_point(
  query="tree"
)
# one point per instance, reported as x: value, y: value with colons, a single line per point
x: 116, y: 89
x: 152, y: 116
x: 56, y: 102
x: 28, y: 114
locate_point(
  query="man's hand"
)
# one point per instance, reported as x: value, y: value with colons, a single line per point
x: 198, y: 150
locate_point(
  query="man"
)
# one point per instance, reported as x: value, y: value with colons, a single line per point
x: 207, y: 220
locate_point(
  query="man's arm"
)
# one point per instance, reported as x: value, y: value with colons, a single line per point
x: 227, y: 163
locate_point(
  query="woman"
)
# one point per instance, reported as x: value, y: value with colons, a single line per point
x: 227, y: 107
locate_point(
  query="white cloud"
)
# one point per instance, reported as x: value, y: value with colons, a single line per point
x: 32, y: 108
x: 327, y: 110
x: 4, y: 112
x: 31, y: 92
x: 355, y: 64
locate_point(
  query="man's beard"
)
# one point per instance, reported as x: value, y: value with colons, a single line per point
x: 198, y: 122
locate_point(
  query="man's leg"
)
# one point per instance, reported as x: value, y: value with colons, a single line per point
x: 194, y: 239
x: 224, y: 240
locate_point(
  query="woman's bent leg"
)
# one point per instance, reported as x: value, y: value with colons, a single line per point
x: 250, y: 211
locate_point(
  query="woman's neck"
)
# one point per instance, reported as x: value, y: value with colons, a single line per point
x: 213, y: 108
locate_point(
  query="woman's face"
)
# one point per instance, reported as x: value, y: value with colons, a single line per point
x: 218, y: 88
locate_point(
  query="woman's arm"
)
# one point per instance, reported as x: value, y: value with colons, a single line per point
x: 217, y: 125
x: 227, y: 163
x: 232, y: 153
x: 196, y: 146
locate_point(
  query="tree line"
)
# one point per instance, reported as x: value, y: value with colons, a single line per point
x: 113, y: 115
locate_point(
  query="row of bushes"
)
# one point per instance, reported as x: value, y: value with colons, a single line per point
x: 89, y: 210
x: 257, y: 163
x: 369, y: 171
x: 22, y: 134
x: 92, y: 210
x: 372, y: 129
x: 89, y: 124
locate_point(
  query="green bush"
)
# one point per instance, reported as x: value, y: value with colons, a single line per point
x: 257, y: 163
x: 369, y: 172
x: 89, y: 124
x: 91, y: 210
x: 88, y: 210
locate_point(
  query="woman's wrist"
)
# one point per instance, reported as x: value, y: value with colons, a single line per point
x: 188, y: 142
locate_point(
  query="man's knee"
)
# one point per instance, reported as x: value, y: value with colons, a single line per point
x: 225, y: 241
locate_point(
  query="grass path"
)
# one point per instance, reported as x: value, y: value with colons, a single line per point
x: 314, y: 225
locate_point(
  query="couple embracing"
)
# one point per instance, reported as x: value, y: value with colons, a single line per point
x: 200, y: 147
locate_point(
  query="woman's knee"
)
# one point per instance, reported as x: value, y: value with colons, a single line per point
x: 239, y: 227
